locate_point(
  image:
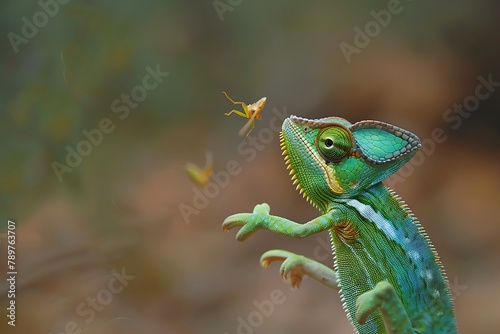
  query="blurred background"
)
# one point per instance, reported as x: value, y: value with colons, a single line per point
x: 117, y: 238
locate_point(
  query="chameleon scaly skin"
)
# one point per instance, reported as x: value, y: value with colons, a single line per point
x: 388, y: 274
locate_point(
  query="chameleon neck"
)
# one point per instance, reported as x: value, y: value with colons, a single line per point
x: 381, y: 240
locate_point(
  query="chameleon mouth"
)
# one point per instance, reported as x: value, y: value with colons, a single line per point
x: 293, y: 172
x: 295, y: 127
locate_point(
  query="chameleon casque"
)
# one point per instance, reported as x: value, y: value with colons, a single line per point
x: 388, y: 273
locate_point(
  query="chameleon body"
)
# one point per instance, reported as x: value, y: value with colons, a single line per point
x: 388, y: 273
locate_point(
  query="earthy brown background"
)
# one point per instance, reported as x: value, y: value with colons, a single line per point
x: 119, y: 208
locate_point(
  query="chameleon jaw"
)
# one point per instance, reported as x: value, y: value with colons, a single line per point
x: 329, y: 173
x: 293, y: 172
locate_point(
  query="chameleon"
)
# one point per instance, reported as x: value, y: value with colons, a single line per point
x: 388, y: 273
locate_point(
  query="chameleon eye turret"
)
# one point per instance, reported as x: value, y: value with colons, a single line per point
x: 334, y: 143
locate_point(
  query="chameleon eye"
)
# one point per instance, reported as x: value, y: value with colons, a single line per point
x: 334, y: 143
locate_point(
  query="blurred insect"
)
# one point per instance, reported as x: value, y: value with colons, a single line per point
x: 200, y: 176
x: 251, y: 111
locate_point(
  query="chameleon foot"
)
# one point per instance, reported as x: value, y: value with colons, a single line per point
x: 296, y: 266
x: 384, y: 297
x: 249, y: 222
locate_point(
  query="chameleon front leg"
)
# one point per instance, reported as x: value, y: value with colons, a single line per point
x: 260, y: 218
x: 296, y: 266
x: 384, y: 298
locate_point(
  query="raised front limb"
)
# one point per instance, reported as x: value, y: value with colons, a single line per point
x: 260, y: 218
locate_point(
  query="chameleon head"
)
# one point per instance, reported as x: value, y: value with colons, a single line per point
x: 330, y: 158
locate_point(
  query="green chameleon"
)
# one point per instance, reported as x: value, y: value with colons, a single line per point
x: 388, y: 274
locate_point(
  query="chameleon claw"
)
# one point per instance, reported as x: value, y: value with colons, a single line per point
x: 249, y: 222
x: 291, y: 266
x: 274, y: 255
x: 233, y: 221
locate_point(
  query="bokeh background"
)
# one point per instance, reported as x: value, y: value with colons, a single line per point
x: 119, y: 208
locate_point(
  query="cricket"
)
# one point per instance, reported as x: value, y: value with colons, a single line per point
x: 252, y: 112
